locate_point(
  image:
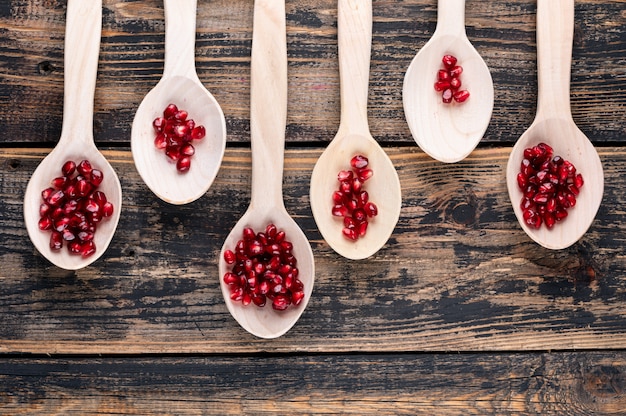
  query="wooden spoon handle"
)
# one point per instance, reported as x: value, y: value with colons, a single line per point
x: 451, y: 18
x: 180, y: 38
x: 268, y: 101
x: 82, y: 48
x: 555, y: 34
x: 354, y: 23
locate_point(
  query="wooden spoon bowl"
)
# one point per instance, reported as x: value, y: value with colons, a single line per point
x: 82, y: 44
x: 179, y: 85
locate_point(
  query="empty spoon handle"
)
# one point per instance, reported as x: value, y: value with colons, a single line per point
x: 354, y: 23
x: 555, y: 34
x: 180, y: 38
x: 268, y: 101
x: 451, y: 18
x: 82, y: 48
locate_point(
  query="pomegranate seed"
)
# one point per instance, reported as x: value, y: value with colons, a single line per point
x: 456, y: 71
x: 263, y: 267
x: 443, y: 75
x: 442, y: 85
x: 446, y: 96
x: 68, y: 168
x: 59, y: 183
x: 45, y: 223
x: 96, y: 177
x: 170, y: 111
x: 549, y: 184
x: 359, y: 162
x: 461, y: 96
x: 56, y: 240
x: 107, y: 209
x: 183, y: 164
x: 449, y: 61
x: 198, y: 133
x: 84, y: 168
x: 455, y: 84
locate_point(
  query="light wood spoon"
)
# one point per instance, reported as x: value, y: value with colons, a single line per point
x: 555, y: 126
x: 448, y: 132
x: 82, y: 47
x: 268, y: 118
x: 352, y: 138
x: 179, y: 85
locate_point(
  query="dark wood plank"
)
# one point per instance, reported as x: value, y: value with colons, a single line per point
x: 131, y: 63
x: 440, y: 384
x: 458, y: 273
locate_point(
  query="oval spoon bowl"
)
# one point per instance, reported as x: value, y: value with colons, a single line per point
x: 265, y: 322
x: 155, y: 168
x: 381, y: 188
x: 50, y: 168
x: 580, y: 151
x: 447, y: 132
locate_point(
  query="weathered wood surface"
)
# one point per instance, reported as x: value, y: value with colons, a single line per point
x: 408, y: 384
x: 461, y: 313
x: 458, y: 273
x: 131, y: 63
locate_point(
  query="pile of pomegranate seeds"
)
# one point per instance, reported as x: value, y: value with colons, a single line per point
x: 174, y: 134
x: 264, y: 267
x: 550, y: 186
x: 449, y: 81
x: 351, y: 201
x: 72, y: 208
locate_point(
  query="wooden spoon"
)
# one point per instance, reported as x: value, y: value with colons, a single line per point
x: 352, y: 138
x: 268, y: 118
x: 82, y: 46
x: 179, y: 85
x: 448, y: 132
x: 555, y: 126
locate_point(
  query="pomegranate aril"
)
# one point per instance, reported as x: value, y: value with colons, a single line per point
x: 183, y: 164
x: 359, y: 162
x: 455, y: 84
x: 449, y: 61
x: 45, y: 224
x: 68, y: 168
x: 442, y: 85
x: 84, y: 168
x: 461, y: 96
x: 56, y: 240
x: 446, y: 96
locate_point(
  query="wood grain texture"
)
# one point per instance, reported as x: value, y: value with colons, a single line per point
x: 407, y: 384
x: 458, y: 274
x: 132, y: 51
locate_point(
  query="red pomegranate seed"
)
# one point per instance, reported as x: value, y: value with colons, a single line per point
x: 449, y: 61
x: 263, y: 267
x: 183, y: 164
x: 455, y: 84
x: 56, y: 240
x: 442, y: 85
x: 461, y: 96
x: 446, y: 96
x: 96, y: 177
x: 443, y: 75
x: 549, y: 185
x: 84, y: 168
x: 68, y: 168
x: 359, y: 162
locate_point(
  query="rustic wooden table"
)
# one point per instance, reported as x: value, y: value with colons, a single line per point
x: 460, y: 313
